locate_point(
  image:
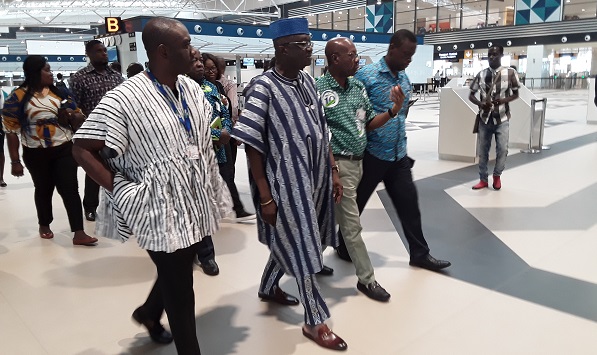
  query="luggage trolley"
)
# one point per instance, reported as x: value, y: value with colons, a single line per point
x: 539, y: 147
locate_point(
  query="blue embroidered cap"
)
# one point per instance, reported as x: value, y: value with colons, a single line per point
x: 288, y: 27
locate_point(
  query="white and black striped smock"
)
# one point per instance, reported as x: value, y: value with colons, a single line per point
x: 165, y: 199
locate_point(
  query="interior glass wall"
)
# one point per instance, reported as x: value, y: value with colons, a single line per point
x: 425, y: 16
x: 357, y: 19
x: 579, y: 9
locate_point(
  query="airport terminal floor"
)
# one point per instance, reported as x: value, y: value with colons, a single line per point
x: 522, y: 280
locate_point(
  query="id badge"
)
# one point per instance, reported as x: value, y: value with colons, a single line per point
x: 193, y: 152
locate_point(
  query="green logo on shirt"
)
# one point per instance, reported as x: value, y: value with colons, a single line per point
x: 329, y: 98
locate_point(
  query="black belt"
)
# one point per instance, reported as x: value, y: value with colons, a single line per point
x: 348, y: 157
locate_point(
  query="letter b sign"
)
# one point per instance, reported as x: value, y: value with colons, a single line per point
x: 113, y: 24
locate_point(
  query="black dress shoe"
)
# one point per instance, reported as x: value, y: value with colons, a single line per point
x: 210, y: 267
x: 430, y: 263
x: 90, y: 216
x: 343, y: 255
x: 243, y: 215
x: 326, y: 271
x: 278, y: 296
x: 374, y: 291
x: 155, y: 329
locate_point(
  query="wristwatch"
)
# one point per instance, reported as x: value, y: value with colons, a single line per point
x: 392, y: 115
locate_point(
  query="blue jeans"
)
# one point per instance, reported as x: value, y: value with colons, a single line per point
x: 485, y: 134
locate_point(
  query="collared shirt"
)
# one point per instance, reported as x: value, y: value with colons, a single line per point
x: 493, y: 84
x: 219, y: 111
x: 166, y: 199
x: 347, y: 111
x: 41, y: 129
x: 283, y: 119
x: 389, y: 141
x: 88, y: 86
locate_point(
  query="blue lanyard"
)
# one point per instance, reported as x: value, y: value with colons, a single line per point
x: 184, y: 118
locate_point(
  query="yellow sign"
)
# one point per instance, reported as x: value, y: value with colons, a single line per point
x: 468, y: 54
x: 113, y: 24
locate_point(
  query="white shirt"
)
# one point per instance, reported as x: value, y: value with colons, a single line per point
x: 166, y: 199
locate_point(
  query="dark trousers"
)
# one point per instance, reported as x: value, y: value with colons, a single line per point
x: 91, y: 198
x: 398, y: 180
x: 206, y: 250
x: 228, y: 171
x: 52, y: 168
x: 173, y: 292
x: 316, y: 309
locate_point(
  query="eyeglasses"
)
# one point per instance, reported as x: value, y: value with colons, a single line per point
x: 211, y: 70
x: 352, y: 55
x: 302, y: 45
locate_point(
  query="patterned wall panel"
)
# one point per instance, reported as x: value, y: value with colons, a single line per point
x: 537, y: 11
x: 380, y: 17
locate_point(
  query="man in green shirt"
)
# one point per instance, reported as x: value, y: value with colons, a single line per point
x: 350, y: 115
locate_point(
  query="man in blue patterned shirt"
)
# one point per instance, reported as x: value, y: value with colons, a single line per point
x: 385, y: 157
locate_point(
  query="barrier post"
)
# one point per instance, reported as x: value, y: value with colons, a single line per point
x: 531, y: 149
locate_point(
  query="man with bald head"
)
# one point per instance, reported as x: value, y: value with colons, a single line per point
x: 148, y: 144
x: 350, y: 115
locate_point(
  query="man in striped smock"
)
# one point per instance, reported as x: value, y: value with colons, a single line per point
x: 160, y: 174
x: 286, y: 136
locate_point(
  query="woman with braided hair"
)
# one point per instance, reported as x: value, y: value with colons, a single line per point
x: 45, y: 120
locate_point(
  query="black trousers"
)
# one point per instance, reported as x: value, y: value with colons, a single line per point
x: 206, y: 249
x: 51, y: 168
x: 228, y: 171
x: 398, y: 180
x: 91, y: 198
x: 173, y: 292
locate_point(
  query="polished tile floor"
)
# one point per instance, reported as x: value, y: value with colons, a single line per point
x: 523, y: 279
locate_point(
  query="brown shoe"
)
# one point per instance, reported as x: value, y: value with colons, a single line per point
x: 86, y: 240
x: 327, y: 339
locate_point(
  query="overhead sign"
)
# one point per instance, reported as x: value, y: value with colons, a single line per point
x: 114, y: 25
x: 468, y: 54
x: 450, y: 56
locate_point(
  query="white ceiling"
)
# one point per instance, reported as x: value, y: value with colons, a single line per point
x: 87, y: 12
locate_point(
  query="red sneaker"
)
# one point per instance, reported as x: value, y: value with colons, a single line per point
x: 481, y: 185
x: 497, y: 182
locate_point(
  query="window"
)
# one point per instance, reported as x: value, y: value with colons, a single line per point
x: 579, y: 9
x: 426, y: 17
x: 449, y: 16
x: 357, y: 19
x: 340, y: 20
x: 324, y: 21
x: 474, y: 14
x: 404, y: 15
x: 501, y: 13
